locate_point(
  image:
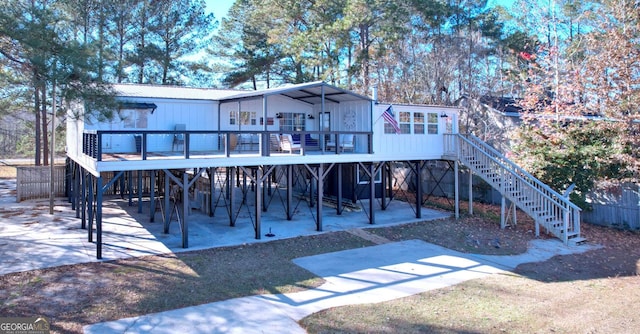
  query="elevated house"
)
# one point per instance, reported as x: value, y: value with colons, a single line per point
x: 318, y: 141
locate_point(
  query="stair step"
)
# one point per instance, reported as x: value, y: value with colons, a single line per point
x: 577, y: 241
x: 546, y: 218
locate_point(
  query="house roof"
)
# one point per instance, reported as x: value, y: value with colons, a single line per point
x: 171, y: 92
x: 505, y: 105
x: 311, y: 93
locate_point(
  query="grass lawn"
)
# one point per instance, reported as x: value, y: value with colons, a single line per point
x: 7, y: 172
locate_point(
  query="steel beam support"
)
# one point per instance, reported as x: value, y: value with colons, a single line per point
x: 418, y: 171
x: 372, y: 193
x: 258, y: 193
x: 83, y: 200
x: 130, y: 187
x: 100, y: 192
x: 232, y: 217
x: 470, y: 192
x: 212, y: 190
x: 289, y: 205
x: 140, y: 191
x: 152, y: 195
x: 185, y: 209
x: 340, y: 207
x: 167, y: 201
x: 456, y: 190
x: 320, y: 191
x: 383, y: 183
x: 91, y: 197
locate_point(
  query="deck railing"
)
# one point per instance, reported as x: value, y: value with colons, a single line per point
x: 104, y: 145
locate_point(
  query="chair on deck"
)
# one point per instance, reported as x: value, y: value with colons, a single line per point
x: 178, y: 138
x: 287, y: 144
x: 346, y: 142
x: 274, y: 142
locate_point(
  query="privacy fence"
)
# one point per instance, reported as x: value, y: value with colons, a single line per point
x: 35, y: 182
x: 616, y: 206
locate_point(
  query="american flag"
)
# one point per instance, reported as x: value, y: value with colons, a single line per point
x: 389, y: 118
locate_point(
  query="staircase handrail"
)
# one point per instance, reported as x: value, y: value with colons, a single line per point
x: 518, y: 170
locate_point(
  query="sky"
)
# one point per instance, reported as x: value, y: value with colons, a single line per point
x: 219, y: 8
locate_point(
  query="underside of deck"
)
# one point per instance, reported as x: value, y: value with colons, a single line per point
x: 246, y: 193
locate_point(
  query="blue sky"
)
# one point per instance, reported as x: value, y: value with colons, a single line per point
x: 219, y: 8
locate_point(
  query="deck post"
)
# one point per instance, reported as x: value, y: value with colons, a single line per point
x: 185, y: 209
x: 289, y: 192
x: 266, y: 188
x: 122, y: 181
x: 258, y: 193
x: 372, y: 193
x: 319, y: 190
x: 167, y: 203
x: 456, y: 187
x: 230, y: 181
x: 99, y: 217
x: 339, y: 207
x: 90, y: 208
x: 212, y: 190
x: 139, y: 191
x: 77, y: 192
x: 152, y: 195
x: 383, y: 184
x: 83, y: 199
x: 130, y: 187
x: 503, y: 205
x: 470, y: 192
x: 418, y: 171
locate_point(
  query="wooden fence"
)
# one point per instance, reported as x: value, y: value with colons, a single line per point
x: 616, y: 206
x: 34, y: 182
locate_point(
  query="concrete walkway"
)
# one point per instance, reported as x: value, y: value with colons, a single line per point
x: 364, y: 275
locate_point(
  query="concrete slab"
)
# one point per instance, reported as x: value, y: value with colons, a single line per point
x: 27, y: 228
x: 357, y: 276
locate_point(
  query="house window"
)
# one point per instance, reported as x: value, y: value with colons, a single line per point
x: 243, y: 118
x: 363, y: 176
x: 248, y: 118
x: 404, y: 121
x: 292, y: 122
x: 233, y: 116
x: 134, y: 118
x: 418, y: 123
x: 432, y: 123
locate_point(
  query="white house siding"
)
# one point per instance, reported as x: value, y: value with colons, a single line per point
x: 392, y: 146
x: 275, y: 105
x: 194, y: 114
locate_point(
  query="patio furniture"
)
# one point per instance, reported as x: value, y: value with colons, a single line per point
x: 178, y: 138
x: 274, y: 142
x: 287, y: 144
x: 346, y: 142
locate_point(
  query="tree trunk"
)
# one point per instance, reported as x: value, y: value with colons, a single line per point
x: 45, y: 138
x: 36, y: 105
